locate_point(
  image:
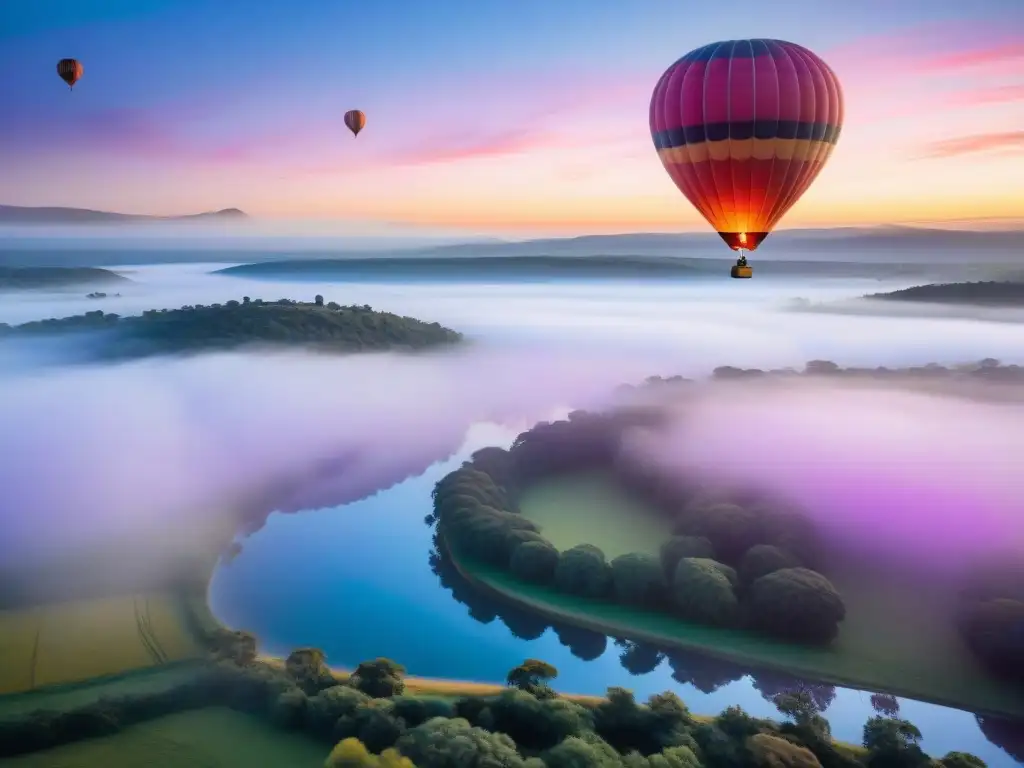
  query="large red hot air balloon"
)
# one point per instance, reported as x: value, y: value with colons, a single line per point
x: 355, y: 120
x: 743, y: 127
x: 70, y: 71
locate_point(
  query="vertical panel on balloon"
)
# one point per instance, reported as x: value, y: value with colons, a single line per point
x: 716, y: 117
x: 691, y: 111
x: 766, y: 123
x: 741, y: 130
x: 786, y: 167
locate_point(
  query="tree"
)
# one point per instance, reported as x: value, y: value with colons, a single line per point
x: 380, y: 678
x: 960, y: 760
x: 530, y: 675
x: 678, y: 547
x: 534, y: 561
x: 454, y: 743
x: 308, y: 668
x: 324, y: 709
x: 885, y: 704
x: 893, y: 743
x: 374, y: 723
x: 577, y: 752
x: 701, y: 592
x: 994, y: 631
x: 418, y: 709
x: 534, y: 723
x: 583, y: 571
x: 318, y: 300
x: 637, y: 579
x: 801, y: 708
x: 731, y: 529
x: 231, y: 645
x: 245, y: 299
x: 796, y: 604
x: 352, y: 753
x: 762, y: 559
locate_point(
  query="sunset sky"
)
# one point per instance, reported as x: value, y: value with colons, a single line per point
x: 492, y: 116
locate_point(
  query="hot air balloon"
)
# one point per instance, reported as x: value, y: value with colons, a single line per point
x: 744, y: 127
x: 355, y: 120
x: 70, y: 71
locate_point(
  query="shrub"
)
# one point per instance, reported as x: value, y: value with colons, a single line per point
x: 308, y: 668
x: 772, y: 752
x: 517, y: 537
x: 418, y: 709
x: 789, y: 530
x: 289, y: 708
x: 324, y: 709
x: 374, y: 723
x: 534, y: 561
x: 637, y: 579
x: 352, y: 753
x: 701, y: 592
x: 583, y: 571
x: 236, y: 646
x: 960, y: 760
x: 380, y: 678
x: 678, y: 547
x: 454, y: 743
x: 762, y: 559
x: 994, y: 631
x: 796, y: 604
x: 576, y: 752
x: 731, y: 529
x: 536, y: 723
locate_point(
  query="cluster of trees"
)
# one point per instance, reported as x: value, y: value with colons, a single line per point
x: 998, y: 293
x: 735, y: 560
x: 991, y: 617
x: 371, y: 721
x: 987, y: 370
x: 251, y: 321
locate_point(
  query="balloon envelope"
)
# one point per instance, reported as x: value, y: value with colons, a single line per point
x: 355, y: 120
x: 744, y: 127
x: 70, y: 71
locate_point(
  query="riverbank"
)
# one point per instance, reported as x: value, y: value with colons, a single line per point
x: 824, y: 665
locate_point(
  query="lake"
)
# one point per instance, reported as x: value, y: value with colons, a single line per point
x: 357, y: 580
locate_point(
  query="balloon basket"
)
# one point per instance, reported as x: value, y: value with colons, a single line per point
x: 738, y: 271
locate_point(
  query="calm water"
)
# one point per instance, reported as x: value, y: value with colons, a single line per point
x: 358, y: 580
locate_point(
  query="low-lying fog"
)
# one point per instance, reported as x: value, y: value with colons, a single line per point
x: 90, y: 452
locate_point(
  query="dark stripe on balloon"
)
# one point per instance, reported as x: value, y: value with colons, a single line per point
x: 747, y: 129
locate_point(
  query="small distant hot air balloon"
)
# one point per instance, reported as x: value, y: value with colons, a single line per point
x: 744, y: 127
x: 355, y: 120
x: 70, y: 71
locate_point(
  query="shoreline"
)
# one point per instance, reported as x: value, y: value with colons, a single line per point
x: 584, y: 621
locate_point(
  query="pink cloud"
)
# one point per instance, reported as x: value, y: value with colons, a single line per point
x: 982, y: 142
x: 1000, y: 94
x: 902, y: 74
x: 999, y: 54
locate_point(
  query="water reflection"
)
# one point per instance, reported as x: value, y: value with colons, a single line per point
x: 362, y: 580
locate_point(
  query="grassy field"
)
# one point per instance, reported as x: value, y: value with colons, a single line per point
x: 74, y: 641
x: 616, y: 523
x: 896, y: 637
x: 203, y: 738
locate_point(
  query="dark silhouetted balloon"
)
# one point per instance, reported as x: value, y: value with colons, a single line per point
x: 355, y: 120
x: 744, y: 127
x: 70, y: 71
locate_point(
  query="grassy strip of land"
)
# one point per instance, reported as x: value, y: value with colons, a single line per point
x: 895, y: 639
x: 210, y: 737
x: 84, y: 639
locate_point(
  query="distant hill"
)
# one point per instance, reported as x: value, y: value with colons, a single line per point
x: 286, y: 324
x: 26, y: 278
x: 541, y: 268
x: 16, y: 214
x: 982, y: 294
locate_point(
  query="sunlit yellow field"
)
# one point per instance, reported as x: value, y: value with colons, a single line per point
x: 74, y: 641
